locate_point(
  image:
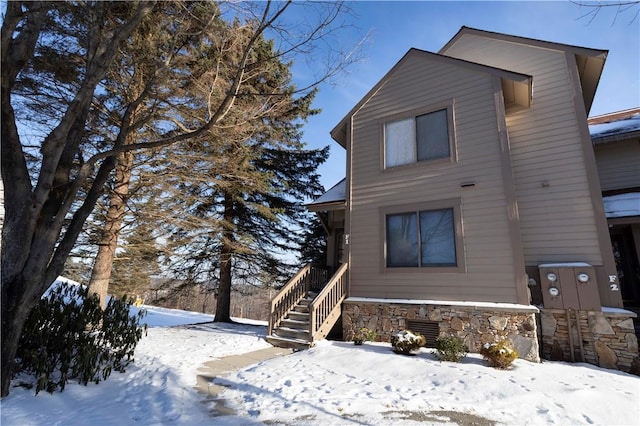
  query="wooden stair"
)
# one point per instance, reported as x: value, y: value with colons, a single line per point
x: 298, y: 315
x: 293, y: 331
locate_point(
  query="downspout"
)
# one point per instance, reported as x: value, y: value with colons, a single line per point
x: 349, y: 196
x: 580, y: 345
x: 571, y: 350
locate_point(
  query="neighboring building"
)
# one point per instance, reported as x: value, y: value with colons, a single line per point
x: 616, y: 143
x: 471, y: 191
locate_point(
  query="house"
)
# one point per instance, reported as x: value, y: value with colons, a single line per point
x: 471, y: 190
x: 616, y: 143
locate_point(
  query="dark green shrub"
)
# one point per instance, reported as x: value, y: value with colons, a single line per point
x: 450, y: 348
x: 363, y: 334
x: 68, y: 336
x: 499, y: 355
x: 405, y: 342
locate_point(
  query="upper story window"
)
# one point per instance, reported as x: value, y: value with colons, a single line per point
x: 421, y: 138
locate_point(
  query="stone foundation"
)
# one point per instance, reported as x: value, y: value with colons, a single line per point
x: 476, y: 325
x: 604, y: 338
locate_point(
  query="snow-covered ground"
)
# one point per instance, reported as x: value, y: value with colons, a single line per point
x: 332, y: 383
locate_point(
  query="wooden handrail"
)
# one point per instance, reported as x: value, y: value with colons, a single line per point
x: 324, y: 311
x: 288, y: 297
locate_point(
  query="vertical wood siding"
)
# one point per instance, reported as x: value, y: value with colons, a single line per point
x: 618, y: 164
x: 420, y: 82
x: 556, y: 215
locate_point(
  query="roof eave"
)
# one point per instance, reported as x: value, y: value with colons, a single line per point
x: 635, y: 134
x: 590, y: 62
x: 590, y: 70
x: 325, y: 207
x: 578, y: 50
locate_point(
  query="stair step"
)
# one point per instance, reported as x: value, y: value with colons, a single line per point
x: 292, y: 333
x: 283, y: 342
x: 298, y: 316
x: 301, y: 308
x: 296, y: 324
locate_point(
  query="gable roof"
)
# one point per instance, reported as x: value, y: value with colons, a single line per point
x: 590, y: 61
x: 516, y: 86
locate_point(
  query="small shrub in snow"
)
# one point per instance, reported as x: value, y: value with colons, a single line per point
x: 68, y: 336
x: 363, y: 334
x: 405, y: 342
x: 499, y: 355
x: 450, y: 348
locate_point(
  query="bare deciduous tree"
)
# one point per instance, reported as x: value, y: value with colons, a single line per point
x: 594, y: 8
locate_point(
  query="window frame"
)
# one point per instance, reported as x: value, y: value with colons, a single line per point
x: 414, y: 114
x: 456, y: 205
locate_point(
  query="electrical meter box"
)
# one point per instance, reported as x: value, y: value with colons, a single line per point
x: 569, y: 286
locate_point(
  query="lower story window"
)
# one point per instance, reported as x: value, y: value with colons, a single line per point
x: 424, y: 238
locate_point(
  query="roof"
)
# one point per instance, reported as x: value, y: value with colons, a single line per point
x: 622, y: 205
x: 333, y: 199
x: 523, y: 40
x: 590, y: 61
x: 615, y: 126
x: 519, y: 84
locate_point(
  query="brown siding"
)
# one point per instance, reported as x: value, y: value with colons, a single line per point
x: 336, y: 221
x: 490, y: 274
x: 618, y: 164
x: 557, y: 220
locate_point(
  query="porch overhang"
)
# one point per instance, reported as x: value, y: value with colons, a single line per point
x: 622, y: 208
x: 333, y: 199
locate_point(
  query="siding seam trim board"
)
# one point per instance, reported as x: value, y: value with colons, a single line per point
x: 600, y: 220
x: 509, y: 188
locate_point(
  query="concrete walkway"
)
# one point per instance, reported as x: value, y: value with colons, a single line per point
x: 222, y: 366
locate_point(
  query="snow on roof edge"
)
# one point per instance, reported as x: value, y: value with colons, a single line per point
x: 615, y: 127
x: 337, y: 192
x: 622, y: 205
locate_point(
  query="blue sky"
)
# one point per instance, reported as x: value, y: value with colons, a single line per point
x: 395, y: 27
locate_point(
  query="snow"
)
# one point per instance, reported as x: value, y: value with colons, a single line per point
x: 337, y: 192
x: 565, y: 265
x: 611, y: 310
x: 613, y: 128
x: 491, y: 305
x: 162, y: 317
x: 332, y: 383
x: 622, y: 205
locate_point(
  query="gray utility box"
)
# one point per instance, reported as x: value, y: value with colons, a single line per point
x: 569, y: 286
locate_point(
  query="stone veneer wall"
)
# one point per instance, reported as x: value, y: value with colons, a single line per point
x: 608, y: 338
x: 476, y: 325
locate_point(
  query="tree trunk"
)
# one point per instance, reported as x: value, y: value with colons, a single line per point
x: 223, y: 305
x: 14, y: 313
x: 12, y: 324
x: 101, y: 273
